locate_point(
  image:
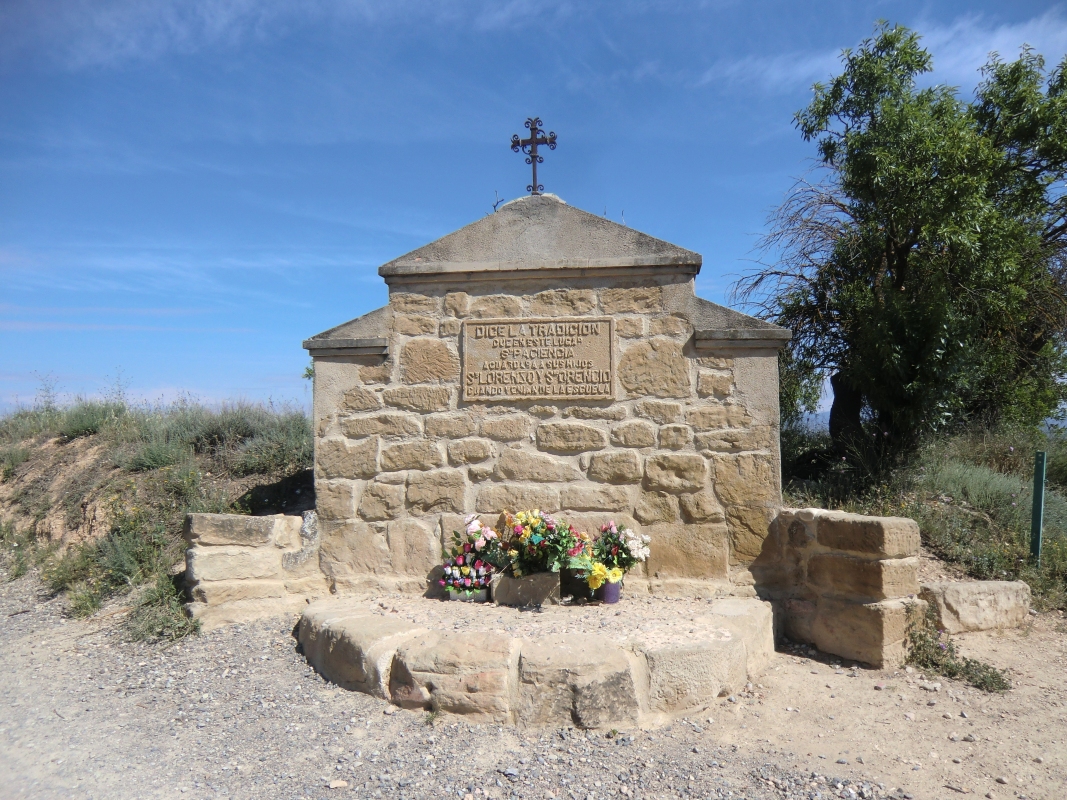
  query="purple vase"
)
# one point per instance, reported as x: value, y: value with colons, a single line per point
x: 608, y: 592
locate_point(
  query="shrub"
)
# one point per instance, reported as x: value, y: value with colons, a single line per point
x: 285, y: 447
x: 88, y: 417
x: 10, y: 459
x: 156, y: 455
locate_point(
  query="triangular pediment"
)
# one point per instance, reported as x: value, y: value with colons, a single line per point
x: 540, y: 232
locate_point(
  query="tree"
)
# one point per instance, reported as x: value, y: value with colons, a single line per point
x: 924, y: 273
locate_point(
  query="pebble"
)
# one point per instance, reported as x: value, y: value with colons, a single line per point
x: 909, y: 715
x: 969, y: 738
x: 1039, y: 760
x: 1001, y: 779
x: 879, y: 687
x: 956, y: 761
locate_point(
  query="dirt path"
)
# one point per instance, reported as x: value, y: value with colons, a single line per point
x: 237, y: 713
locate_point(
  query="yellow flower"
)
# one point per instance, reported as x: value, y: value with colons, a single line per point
x: 615, y: 575
x: 597, y: 575
x: 465, y: 570
x: 513, y: 553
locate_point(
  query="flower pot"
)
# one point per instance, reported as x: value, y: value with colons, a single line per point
x: 469, y: 596
x: 573, y: 584
x: 541, y: 588
x: 608, y: 592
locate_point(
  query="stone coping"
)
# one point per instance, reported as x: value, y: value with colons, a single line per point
x: 640, y: 662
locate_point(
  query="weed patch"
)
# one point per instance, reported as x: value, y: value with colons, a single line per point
x: 931, y: 650
x: 10, y: 459
x: 88, y: 417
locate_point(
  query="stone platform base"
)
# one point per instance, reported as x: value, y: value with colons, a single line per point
x: 638, y: 663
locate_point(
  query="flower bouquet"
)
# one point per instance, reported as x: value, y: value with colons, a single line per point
x: 536, y: 547
x: 612, y: 554
x: 537, y: 542
x: 474, y: 557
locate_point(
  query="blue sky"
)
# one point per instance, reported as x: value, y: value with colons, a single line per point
x: 189, y: 188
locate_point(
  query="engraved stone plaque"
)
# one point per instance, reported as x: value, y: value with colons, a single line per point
x: 555, y: 357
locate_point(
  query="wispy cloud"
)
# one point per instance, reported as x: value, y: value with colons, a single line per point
x: 23, y: 325
x: 959, y: 48
x: 85, y: 33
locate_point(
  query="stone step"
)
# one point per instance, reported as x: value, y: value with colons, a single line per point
x: 589, y: 681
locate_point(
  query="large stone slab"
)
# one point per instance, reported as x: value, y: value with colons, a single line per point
x: 874, y: 633
x: 751, y: 621
x: 354, y: 650
x: 456, y: 673
x: 686, y: 676
x: 232, y: 562
x: 238, y: 529
x: 887, y: 537
x: 845, y: 575
x: 575, y: 680
x: 978, y: 605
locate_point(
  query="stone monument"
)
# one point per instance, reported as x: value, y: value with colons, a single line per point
x: 544, y: 357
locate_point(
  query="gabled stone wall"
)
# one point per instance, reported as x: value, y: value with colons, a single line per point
x: 687, y: 451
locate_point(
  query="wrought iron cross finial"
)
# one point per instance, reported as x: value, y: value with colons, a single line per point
x: 529, y: 148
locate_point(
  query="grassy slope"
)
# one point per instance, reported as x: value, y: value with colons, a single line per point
x: 971, y: 495
x: 95, y: 494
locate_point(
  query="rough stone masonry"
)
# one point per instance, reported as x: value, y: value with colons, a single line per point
x: 544, y: 357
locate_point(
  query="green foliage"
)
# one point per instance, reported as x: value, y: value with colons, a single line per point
x: 930, y: 649
x: 10, y: 458
x: 20, y: 550
x: 309, y: 371
x: 927, y: 269
x: 88, y: 417
x: 971, y: 494
x: 156, y: 455
x: 160, y: 613
x: 283, y: 447
x: 164, y: 453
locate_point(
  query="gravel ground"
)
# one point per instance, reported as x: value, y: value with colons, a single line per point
x: 237, y: 713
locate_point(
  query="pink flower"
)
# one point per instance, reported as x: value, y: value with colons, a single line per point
x: 443, y: 582
x: 478, y: 564
x: 466, y: 547
x: 466, y: 581
x: 518, y: 529
x: 459, y: 561
x: 478, y: 545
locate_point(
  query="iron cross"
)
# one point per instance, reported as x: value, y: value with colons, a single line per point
x: 529, y: 147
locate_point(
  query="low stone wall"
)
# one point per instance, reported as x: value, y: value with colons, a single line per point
x: 240, y: 568
x: 843, y: 582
